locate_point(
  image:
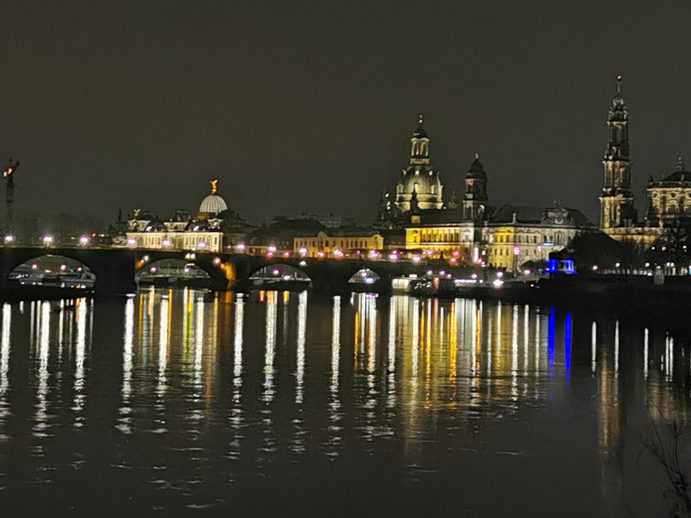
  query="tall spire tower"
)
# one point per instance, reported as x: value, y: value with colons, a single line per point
x: 616, y: 200
x: 475, y: 195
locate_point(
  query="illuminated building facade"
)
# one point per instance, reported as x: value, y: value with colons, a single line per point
x: 420, y: 180
x: 517, y: 235
x: 669, y: 199
x: 338, y: 241
x: 214, y: 228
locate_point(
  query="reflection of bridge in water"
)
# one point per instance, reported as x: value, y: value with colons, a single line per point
x: 116, y: 269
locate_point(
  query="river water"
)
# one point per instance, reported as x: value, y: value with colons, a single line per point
x: 282, y: 403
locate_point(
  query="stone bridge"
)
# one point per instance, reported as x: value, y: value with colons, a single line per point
x: 116, y: 268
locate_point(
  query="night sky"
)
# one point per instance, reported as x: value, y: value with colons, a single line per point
x: 301, y: 106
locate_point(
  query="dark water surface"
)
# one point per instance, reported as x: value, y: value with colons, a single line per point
x: 293, y: 404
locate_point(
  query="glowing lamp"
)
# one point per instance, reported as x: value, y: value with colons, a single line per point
x: 9, y: 239
x: 83, y: 240
x: 47, y: 240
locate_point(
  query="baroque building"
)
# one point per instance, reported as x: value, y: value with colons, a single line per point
x: 214, y: 228
x: 618, y: 216
x: 518, y: 235
x: 420, y: 182
x: 616, y: 200
x: 471, y: 230
x: 669, y: 199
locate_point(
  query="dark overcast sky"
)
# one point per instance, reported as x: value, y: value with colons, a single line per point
x: 308, y: 105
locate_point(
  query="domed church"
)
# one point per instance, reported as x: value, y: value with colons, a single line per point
x: 420, y: 181
x: 215, y: 227
x: 213, y: 204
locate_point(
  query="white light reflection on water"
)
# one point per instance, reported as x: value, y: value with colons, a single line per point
x: 80, y: 392
x: 298, y: 441
x: 40, y: 419
x: 300, y: 360
x: 162, y: 347
x: 646, y: 345
x: 5, y: 348
x: 269, y: 351
x: 124, y: 421
x: 236, y: 412
x: 593, y: 347
x: 334, y: 436
x: 395, y: 304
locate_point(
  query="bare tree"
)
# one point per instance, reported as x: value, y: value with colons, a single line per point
x: 667, y: 454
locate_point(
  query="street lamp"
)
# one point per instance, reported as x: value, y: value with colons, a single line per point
x: 83, y: 241
x: 47, y: 240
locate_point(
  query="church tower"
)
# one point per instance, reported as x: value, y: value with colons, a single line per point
x: 419, y: 177
x: 616, y: 200
x: 475, y: 193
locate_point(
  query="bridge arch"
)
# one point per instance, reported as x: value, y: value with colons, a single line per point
x: 221, y: 271
x: 113, y: 268
x: 173, y: 269
x: 51, y: 270
x: 365, y: 276
x: 280, y: 274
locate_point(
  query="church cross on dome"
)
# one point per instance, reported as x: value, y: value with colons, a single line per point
x: 214, y: 185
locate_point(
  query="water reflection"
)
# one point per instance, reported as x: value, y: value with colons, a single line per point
x: 237, y: 391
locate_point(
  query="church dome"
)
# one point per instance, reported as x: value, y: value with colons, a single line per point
x: 213, y: 204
